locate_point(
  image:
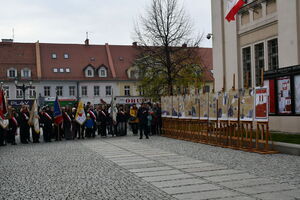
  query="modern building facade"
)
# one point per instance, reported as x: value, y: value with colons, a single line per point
x: 262, y: 47
x: 92, y: 73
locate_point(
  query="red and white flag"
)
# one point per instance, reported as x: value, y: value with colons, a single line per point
x: 233, y: 6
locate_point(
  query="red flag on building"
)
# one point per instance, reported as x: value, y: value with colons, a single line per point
x: 3, y: 109
x: 233, y: 6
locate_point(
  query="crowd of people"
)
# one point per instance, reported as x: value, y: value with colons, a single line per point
x: 102, y: 120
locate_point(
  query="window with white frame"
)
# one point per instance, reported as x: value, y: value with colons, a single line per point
x: 127, y: 90
x: 32, y: 93
x: 96, y: 90
x: 11, y: 73
x: 59, y: 90
x: 83, y: 90
x: 53, y: 56
x: 55, y: 70
x: 61, y: 70
x: 68, y: 70
x: 47, y: 92
x: 108, y: 90
x: 259, y: 63
x: 246, y: 58
x: 66, y: 56
x: 273, y: 54
x: 71, y: 90
x: 89, y: 72
x: 19, y: 93
x: 6, y: 90
x: 102, y: 72
x: 26, y: 73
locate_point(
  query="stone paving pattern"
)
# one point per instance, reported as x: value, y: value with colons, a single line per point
x: 159, y: 168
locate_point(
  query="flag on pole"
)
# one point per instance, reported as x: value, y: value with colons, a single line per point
x: 233, y: 6
x: 34, y: 117
x: 3, y: 109
x: 80, y: 114
x: 58, y: 118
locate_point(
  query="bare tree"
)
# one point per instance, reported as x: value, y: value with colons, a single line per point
x: 169, y: 51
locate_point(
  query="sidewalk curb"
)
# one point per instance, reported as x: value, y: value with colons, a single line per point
x: 287, y: 148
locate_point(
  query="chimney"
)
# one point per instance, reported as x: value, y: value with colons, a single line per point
x: 134, y: 44
x: 87, y: 42
x: 184, y: 45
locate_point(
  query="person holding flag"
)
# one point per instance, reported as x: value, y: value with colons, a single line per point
x: 58, y: 119
x: 34, y: 123
x: 80, y: 118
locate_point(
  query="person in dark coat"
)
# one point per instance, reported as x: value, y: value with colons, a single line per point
x: 143, y: 120
x: 102, y: 118
x: 13, y: 126
x: 24, y: 126
x: 75, y: 125
x: 2, y: 136
x: 67, y: 124
x: 121, y: 122
x: 46, y: 121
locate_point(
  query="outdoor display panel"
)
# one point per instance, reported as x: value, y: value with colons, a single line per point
x: 284, y: 95
x: 213, y: 100
x: 261, y: 104
x: 232, y: 111
x: 204, y: 106
x: 181, y: 106
x: 246, y: 105
x: 175, y: 106
x: 222, y: 106
x: 297, y: 94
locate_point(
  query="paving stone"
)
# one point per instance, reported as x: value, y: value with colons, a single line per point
x: 190, y: 188
x: 282, y: 195
x: 150, y: 169
x: 158, y: 173
x: 217, y: 172
x: 206, y: 168
x: 173, y: 183
x: 265, y: 188
x: 194, y: 165
x: 246, y: 183
x: 207, y: 195
x: 230, y: 177
x: 168, y: 177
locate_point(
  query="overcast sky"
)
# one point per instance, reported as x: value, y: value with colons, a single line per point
x: 67, y: 21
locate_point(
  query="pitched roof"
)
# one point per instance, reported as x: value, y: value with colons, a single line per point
x: 18, y: 56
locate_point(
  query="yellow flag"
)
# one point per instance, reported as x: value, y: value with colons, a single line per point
x: 80, y: 114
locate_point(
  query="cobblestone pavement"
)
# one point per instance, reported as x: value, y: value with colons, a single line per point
x: 128, y: 168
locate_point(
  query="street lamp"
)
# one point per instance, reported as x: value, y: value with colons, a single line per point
x: 23, y: 87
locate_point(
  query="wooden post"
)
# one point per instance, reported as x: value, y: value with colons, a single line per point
x: 233, y: 82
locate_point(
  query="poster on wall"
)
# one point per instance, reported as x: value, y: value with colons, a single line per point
x: 222, y: 106
x: 297, y: 94
x: 232, y: 109
x: 261, y: 104
x: 247, y: 107
x: 284, y: 95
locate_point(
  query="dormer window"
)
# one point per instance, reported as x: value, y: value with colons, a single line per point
x: 66, y: 56
x: 89, y: 71
x: 53, y: 56
x: 11, y: 73
x: 26, y: 73
x: 102, y: 72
